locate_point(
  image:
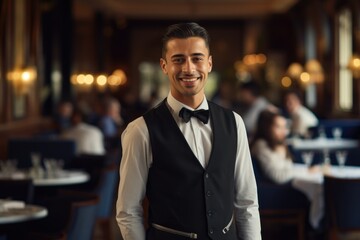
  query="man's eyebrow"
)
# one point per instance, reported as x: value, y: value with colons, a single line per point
x: 182, y: 55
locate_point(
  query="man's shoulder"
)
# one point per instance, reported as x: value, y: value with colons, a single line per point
x: 136, y: 126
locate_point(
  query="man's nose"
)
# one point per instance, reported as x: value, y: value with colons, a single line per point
x: 188, y: 66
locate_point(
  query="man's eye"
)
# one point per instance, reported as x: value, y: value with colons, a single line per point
x: 197, y: 59
x: 177, y: 60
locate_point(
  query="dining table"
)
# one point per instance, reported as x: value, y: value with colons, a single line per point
x: 310, y: 183
x: 27, y: 213
x: 60, y: 178
x: 322, y: 143
x: 63, y: 177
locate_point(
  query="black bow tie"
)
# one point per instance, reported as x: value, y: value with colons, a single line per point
x: 202, y: 115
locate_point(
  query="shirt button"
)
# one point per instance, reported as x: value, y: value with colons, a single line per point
x: 211, y: 231
x: 210, y: 213
x: 208, y: 193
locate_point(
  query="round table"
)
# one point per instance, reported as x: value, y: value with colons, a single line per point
x: 16, y: 215
x: 320, y: 144
x: 65, y: 177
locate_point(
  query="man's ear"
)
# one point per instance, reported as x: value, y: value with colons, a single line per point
x: 210, y: 63
x: 163, y: 65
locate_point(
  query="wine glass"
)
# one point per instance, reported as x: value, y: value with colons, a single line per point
x: 341, y: 158
x: 307, y: 157
x: 337, y: 132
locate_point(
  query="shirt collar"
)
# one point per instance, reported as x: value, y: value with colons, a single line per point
x: 176, y: 106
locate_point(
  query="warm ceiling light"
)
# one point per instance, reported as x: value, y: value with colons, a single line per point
x: 101, y: 80
x: 305, y: 77
x: 294, y: 70
x: 22, y: 79
x: 286, y: 82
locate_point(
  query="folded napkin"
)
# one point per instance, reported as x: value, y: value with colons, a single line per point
x: 6, y: 204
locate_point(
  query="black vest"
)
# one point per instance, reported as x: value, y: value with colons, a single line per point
x: 182, y: 194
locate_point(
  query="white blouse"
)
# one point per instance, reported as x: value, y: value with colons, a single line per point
x: 275, y: 165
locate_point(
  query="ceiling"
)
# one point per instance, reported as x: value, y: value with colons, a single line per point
x: 194, y: 9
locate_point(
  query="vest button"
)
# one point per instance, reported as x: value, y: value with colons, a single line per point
x: 206, y: 175
x: 211, y: 231
x: 209, y: 213
x: 208, y: 193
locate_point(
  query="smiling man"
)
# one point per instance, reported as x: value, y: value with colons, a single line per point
x: 189, y: 157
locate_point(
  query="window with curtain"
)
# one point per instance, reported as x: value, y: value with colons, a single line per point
x: 345, y: 78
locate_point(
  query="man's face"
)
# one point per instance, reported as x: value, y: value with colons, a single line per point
x: 246, y: 97
x: 187, y: 64
x: 292, y: 103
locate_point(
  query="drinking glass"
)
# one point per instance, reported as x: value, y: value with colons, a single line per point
x: 337, y: 132
x: 322, y: 133
x: 307, y: 158
x: 341, y: 158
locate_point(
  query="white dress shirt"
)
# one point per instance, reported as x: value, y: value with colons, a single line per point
x: 137, y: 159
x: 302, y: 120
x: 88, y: 139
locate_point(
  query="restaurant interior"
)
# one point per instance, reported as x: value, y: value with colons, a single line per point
x: 93, y: 52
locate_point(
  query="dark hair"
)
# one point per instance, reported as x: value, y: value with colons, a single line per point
x: 263, y: 127
x: 78, y: 114
x: 184, y: 30
x: 252, y: 87
x: 292, y: 92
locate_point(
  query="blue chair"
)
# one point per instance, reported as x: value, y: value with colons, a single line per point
x: 22, y: 148
x: 83, y: 217
x: 71, y: 214
x: 104, y: 178
x: 106, y: 191
x: 342, y: 198
x: 280, y: 204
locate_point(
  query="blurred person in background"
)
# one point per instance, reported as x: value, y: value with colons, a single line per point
x: 225, y: 94
x: 89, y: 139
x: 62, y: 117
x: 111, y: 121
x: 301, y: 118
x: 252, y: 104
x: 269, y: 147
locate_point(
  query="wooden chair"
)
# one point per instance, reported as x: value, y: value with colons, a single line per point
x: 342, y: 198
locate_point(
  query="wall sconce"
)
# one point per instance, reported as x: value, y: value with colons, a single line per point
x: 312, y: 72
x: 85, y: 81
x: 22, y: 79
x: 354, y: 65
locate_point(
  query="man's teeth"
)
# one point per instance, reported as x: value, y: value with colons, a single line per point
x: 189, y: 79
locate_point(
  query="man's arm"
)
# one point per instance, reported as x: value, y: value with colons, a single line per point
x: 246, y: 202
x: 134, y: 168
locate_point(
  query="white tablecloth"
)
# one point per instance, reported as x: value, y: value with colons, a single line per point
x: 323, y: 143
x: 63, y: 177
x: 311, y: 184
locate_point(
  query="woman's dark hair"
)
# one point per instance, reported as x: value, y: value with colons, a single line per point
x: 184, y: 30
x: 263, y: 128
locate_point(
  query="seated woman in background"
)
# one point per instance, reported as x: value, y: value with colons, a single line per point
x: 269, y: 147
